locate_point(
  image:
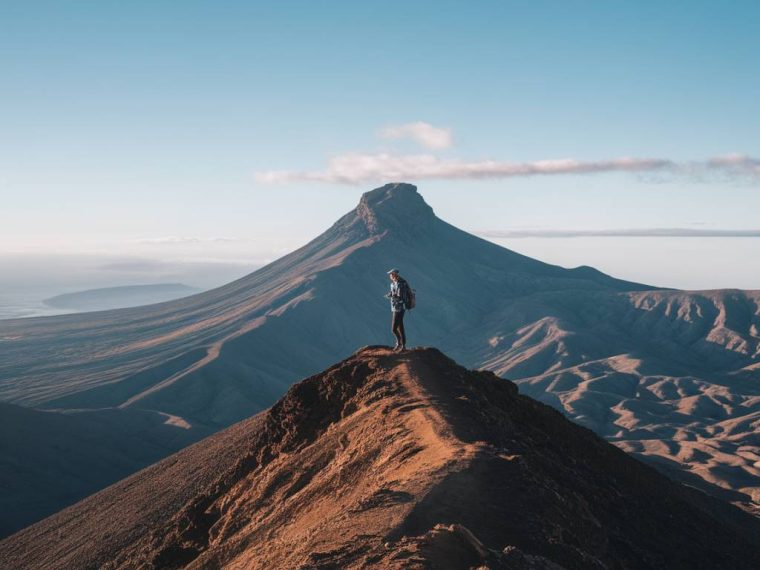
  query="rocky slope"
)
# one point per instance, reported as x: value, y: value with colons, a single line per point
x: 669, y: 375
x: 396, y: 461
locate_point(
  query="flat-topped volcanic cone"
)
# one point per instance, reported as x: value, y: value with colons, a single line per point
x: 396, y: 460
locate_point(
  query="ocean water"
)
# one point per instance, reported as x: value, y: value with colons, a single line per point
x: 16, y: 305
x: 26, y: 280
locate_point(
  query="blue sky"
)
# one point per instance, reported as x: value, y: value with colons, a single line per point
x: 137, y: 128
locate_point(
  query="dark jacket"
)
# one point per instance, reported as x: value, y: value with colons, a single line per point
x: 396, y: 294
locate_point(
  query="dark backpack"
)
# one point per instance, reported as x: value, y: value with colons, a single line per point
x: 408, y: 296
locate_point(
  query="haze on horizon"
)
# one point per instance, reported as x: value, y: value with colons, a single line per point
x: 198, y: 144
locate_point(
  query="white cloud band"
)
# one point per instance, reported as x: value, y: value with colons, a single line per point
x: 174, y: 240
x: 635, y: 232
x: 358, y: 168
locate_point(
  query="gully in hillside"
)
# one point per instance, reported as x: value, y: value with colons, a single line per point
x: 402, y: 298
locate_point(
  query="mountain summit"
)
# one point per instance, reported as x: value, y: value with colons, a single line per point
x: 389, y: 460
x: 395, y: 207
x: 667, y: 375
x: 104, y: 358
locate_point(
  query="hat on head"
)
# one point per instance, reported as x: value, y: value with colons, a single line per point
x: 394, y: 270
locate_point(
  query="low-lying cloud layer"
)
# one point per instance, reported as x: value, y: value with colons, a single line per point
x: 357, y: 168
x: 174, y: 240
x: 635, y: 232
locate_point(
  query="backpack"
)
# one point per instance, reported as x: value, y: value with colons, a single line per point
x: 408, y: 296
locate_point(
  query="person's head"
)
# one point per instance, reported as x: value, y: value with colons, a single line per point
x: 393, y: 274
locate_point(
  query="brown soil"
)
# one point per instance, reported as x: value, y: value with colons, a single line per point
x: 391, y: 460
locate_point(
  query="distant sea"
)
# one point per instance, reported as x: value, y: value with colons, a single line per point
x: 21, y: 305
x: 26, y: 280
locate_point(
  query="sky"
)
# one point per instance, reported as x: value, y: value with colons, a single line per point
x: 623, y: 135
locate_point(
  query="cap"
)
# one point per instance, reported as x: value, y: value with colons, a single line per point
x: 394, y: 270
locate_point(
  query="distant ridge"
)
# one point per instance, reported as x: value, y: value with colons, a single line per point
x: 119, y: 297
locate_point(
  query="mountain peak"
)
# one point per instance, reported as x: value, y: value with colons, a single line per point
x: 395, y: 460
x: 394, y: 206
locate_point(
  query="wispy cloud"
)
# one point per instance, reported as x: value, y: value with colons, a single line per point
x: 422, y: 133
x: 359, y: 168
x: 173, y: 240
x: 635, y: 232
x: 737, y: 163
x: 171, y: 266
x: 137, y: 265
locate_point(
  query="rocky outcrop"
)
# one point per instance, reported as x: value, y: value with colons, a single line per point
x: 396, y: 460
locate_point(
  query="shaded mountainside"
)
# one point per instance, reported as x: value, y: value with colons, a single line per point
x: 669, y: 375
x: 49, y: 460
x: 64, y: 359
x: 396, y: 461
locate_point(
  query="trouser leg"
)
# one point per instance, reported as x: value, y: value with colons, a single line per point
x: 398, y: 327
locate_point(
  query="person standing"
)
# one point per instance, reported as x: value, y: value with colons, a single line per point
x: 399, y: 295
